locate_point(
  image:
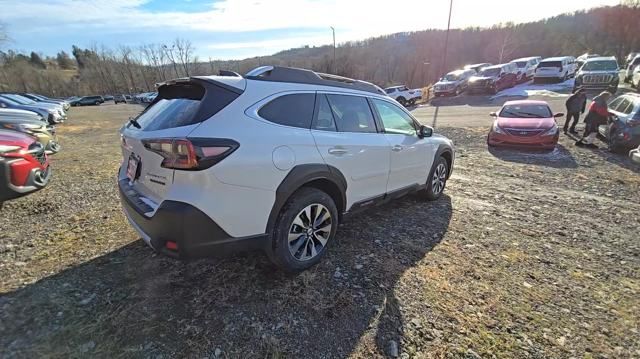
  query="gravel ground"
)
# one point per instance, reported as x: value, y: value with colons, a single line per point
x: 528, y: 255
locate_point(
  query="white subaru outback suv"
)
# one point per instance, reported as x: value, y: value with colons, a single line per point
x: 270, y: 161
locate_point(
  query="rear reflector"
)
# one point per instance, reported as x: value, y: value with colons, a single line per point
x: 172, y: 245
x: 191, y: 153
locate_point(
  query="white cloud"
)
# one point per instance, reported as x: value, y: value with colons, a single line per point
x: 353, y: 19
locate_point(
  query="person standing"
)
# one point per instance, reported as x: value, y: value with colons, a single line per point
x: 597, y: 115
x: 576, y: 104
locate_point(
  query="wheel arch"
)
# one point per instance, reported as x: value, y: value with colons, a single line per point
x: 446, y: 152
x: 321, y: 176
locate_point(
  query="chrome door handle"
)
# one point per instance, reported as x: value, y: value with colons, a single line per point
x: 337, y: 151
x: 397, y: 148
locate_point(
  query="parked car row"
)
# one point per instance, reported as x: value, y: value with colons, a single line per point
x: 27, y: 138
x: 52, y: 112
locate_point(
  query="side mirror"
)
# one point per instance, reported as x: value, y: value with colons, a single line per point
x: 493, y: 114
x: 425, y: 131
x: 559, y: 114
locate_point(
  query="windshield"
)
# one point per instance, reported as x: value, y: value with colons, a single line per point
x: 521, y: 64
x: 21, y: 100
x: 526, y: 111
x: 451, y: 77
x: 490, y: 72
x: 605, y: 65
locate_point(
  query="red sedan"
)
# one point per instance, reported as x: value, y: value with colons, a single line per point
x: 24, y: 166
x: 527, y: 123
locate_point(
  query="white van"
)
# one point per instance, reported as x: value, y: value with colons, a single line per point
x: 557, y: 68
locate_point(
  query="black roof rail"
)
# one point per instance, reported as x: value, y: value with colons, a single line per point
x: 303, y: 76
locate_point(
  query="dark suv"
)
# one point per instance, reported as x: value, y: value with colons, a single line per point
x: 88, y: 101
x: 599, y: 73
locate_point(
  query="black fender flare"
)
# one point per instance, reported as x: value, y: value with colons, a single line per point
x: 300, y: 175
x: 445, y: 149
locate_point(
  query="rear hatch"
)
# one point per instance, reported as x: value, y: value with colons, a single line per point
x: 180, y: 107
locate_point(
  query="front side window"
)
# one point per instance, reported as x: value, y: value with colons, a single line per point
x: 352, y: 113
x: 394, y: 119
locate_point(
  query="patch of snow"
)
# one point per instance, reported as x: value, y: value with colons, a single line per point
x: 529, y: 89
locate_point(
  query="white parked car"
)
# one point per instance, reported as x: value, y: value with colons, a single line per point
x: 404, y: 95
x: 526, y: 67
x: 270, y: 161
x: 635, y: 77
x: 556, y: 68
x: 631, y: 66
x: 635, y: 155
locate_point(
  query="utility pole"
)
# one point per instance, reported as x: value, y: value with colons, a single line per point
x: 334, y: 49
x: 446, y: 41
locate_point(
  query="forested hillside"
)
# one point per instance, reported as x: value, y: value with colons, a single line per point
x: 414, y: 58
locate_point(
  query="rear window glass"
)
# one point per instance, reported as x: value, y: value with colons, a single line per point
x: 295, y: 110
x: 550, y: 64
x: 184, y: 104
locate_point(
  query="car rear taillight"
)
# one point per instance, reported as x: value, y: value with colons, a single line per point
x: 191, y: 154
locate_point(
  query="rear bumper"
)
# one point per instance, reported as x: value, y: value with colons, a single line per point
x: 196, y: 234
x: 37, y: 178
x: 539, y: 142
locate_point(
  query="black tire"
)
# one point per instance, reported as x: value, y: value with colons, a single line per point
x: 402, y: 101
x: 613, y: 90
x: 433, y: 192
x: 279, y: 252
x: 97, y: 103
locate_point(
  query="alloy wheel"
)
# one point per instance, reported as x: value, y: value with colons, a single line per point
x: 439, y: 179
x: 309, y: 232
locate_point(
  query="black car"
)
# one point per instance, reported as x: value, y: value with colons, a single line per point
x: 88, y: 101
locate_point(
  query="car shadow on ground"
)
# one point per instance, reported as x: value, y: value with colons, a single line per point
x: 559, y: 157
x: 132, y: 303
x: 620, y: 159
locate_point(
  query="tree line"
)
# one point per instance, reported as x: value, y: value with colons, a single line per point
x: 412, y: 58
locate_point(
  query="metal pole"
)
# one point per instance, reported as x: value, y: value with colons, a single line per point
x: 334, y: 49
x: 446, y: 41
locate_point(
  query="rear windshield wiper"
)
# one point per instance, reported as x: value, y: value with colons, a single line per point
x: 134, y: 122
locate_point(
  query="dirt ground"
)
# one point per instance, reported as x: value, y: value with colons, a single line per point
x: 528, y: 255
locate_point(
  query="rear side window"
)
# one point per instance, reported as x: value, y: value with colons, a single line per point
x: 295, y: 110
x: 325, y: 120
x: 352, y: 113
x: 184, y: 104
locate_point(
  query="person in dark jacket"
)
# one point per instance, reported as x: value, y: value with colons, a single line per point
x: 597, y: 115
x: 576, y: 104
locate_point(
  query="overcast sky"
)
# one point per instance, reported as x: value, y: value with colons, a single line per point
x: 229, y: 29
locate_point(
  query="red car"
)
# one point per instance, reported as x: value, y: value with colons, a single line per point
x: 24, y: 165
x: 526, y: 123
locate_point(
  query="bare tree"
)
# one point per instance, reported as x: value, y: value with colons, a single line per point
x: 168, y: 51
x: 185, y: 51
